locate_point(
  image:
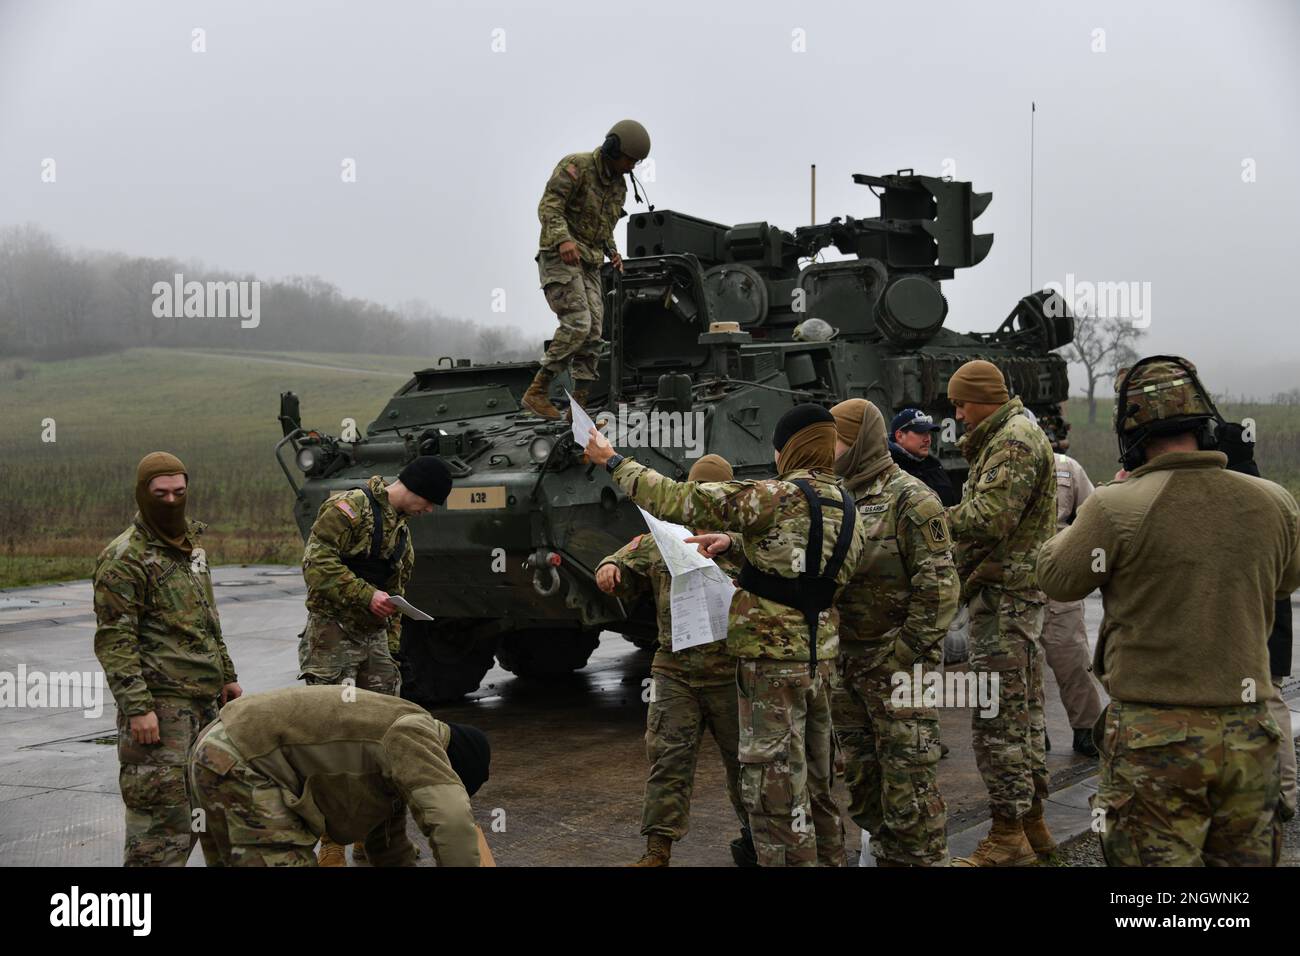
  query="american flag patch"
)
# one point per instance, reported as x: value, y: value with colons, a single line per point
x: 346, y: 508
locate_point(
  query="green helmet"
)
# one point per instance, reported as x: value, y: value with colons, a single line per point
x: 1160, y: 390
x: 632, y: 138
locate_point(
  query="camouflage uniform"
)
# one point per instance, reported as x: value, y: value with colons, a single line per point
x: 278, y: 769
x: 1182, y: 786
x: 894, y: 614
x: 343, y: 640
x: 159, y: 641
x: 1189, y: 750
x: 693, y: 689
x: 582, y: 203
x: 785, y: 727
x: 1008, y: 510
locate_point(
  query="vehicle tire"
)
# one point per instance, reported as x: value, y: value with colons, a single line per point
x: 443, y: 661
x: 546, y: 655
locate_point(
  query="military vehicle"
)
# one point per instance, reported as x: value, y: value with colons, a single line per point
x: 708, y: 338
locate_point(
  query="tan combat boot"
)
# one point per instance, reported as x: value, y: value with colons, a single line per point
x: 330, y: 853
x: 579, y: 396
x: 1036, y: 832
x: 538, y: 397
x: 1005, y: 845
x: 657, y: 851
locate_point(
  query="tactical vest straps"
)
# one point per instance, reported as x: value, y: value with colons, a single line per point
x: 814, y: 590
x: 374, y: 568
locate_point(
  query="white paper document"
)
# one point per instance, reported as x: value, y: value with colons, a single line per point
x: 701, y: 591
x: 409, y: 609
x: 582, y: 423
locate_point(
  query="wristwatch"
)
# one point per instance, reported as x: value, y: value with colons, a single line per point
x: 614, y: 461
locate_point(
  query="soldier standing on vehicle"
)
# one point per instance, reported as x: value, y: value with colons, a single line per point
x: 1065, y: 636
x: 1190, y: 559
x: 1008, y: 509
x: 158, y: 638
x: 582, y: 203
x: 802, y: 543
x: 893, y: 617
x: 692, y: 689
x: 358, y: 555
x: 278, y: 769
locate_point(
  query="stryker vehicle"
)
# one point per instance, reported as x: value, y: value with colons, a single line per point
x: 702, y: 323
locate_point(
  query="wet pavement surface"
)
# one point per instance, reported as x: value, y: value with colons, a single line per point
x: 568, y: 768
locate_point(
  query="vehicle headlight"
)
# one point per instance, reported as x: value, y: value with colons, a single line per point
x: 539, y: 449
x: 309, y: 457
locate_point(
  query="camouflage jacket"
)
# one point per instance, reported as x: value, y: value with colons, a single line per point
x: 158, y: 633
x: 906, y: 587
x: 1008, y: 506
x: 343, y: 764
x: 642, y: 569
x: 343, y: 529
x: 582, y: 202
x: 773, y: 516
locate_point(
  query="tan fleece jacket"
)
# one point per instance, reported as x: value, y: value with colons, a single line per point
x: 344, y: 762
x: 1189, y: 558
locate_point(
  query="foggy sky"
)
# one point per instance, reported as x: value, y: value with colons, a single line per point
x: 232, y: 156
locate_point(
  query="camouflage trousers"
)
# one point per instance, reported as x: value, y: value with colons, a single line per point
x: 891, y: 762
x: 329, y: 654
x: 786, y: 762
x: 679, y: 712
x: 246, y: 822
x: 1189, y: 786
x: 152, y: 780
x: 1011, y: 745
x: 574, y: 295
x: 1065, y: 646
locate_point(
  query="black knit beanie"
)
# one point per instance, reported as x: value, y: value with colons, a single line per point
x: 797, y: 419
x: 469, y: 753
x: 427, y: 477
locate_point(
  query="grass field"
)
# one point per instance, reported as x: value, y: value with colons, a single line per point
x: 64, y: 500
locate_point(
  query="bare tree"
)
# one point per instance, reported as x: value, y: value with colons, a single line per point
x: 1102, y: 347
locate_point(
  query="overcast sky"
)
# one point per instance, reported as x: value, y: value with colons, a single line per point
x: 233, y: 156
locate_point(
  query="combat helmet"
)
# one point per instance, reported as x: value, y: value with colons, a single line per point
x: 629, y: 139
x: 1160, y: 395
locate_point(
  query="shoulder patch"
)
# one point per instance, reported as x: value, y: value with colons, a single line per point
x: 342, y: 505
x: 572, y: 170
x: 636, y: 542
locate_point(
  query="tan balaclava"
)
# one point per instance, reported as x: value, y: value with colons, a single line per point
x: 711, y: 468
x: 813, y: 446
x: 859, y: 424
x: 164, y: 519
x: 980, y: 382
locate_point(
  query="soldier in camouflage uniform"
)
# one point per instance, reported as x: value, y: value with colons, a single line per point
x: 280, y: 768
x: 1189, y: 750
x: 692, y: 689
x: 893, y: 618
x: 1008, y: 509
x: 353, y: 630
x: 582, y: 203
x: 159, y: 641
x: 785, y: 726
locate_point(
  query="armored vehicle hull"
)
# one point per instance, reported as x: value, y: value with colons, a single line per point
x: 705, y: 352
